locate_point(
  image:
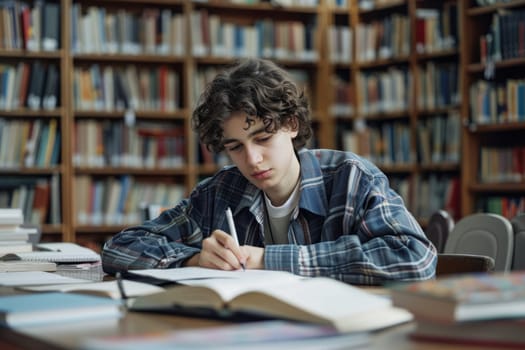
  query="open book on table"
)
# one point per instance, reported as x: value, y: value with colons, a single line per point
x: 278, y: 295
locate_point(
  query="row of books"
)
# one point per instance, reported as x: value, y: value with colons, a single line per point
x: 384, y: 91
x: 33, y: 26
x: 287, y: 3
x: 434, y: 192
x: 29, y: 143
x: 208, y: 158
x: 203, y: 75
x: 109, y: 88
x: 497, y: 102
x: 507, y: 206
x: 103, y: 31
x: 116, y: 144
x: 120, y: 200
x: 505, y: 38
x: 424, y: 195
x: 34, y: 85
x: 384, y: 144
x: 216, y: 36
x: 367, y: 5
x: 438, y: 85
x: 38, y: 197
x: 337, y: 3
x: 502, y: 164
x: 437, y: 29
x: 343, y: 103
x: 491, y: 2
x: 383, y: 39
x: 439, y: 139
x: 340, y: 41
x: 388, y: 143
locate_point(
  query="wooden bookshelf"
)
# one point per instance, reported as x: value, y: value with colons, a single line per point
x: 395, y: 107
x: 111, y: 112
x: 493, y: 174
x: 333, y: 64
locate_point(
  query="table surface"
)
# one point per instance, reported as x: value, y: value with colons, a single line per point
x: 134, y: 323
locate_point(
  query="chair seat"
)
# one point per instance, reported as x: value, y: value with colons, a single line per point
x: 448, y: 264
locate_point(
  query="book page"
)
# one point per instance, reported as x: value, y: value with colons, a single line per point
x: 107, y: 288
x: 56, y: 252
x: 246, y: 281
x: 19, y: 265
x: 324, y: 300
x: 184, y: 274
x: 28, y: 278
x: 322, y: 296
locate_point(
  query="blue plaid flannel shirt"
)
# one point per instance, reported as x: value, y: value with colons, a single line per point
x: 349, y: 225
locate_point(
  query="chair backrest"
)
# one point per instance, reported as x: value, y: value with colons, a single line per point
x: 438, y: 228
x: 518, y: 225
x: 448, y: 264
x: 483, y: 234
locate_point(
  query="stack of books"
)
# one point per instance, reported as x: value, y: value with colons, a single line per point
x: 17, y: 239
x: 481, y: 309
x: 14, y: 238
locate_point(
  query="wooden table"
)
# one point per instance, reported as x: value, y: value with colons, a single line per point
x: 134, y: 323
x: 395, y: 338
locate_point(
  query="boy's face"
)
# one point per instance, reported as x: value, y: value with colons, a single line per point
x: 267, y: 160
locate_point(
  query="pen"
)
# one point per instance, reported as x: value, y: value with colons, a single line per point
x: 121, y: 290
x: 233, y: 231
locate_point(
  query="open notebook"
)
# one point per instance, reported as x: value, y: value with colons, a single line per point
x: 63, y: 252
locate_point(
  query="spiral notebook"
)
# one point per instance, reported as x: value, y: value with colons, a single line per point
x: 63, y: 252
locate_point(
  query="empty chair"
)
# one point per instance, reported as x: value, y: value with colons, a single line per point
x: 439, y: 226
x: 448, y: 264
x: 483, y: 234
x: 518, y: 225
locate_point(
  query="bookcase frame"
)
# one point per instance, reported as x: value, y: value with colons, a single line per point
x: 476, y: 135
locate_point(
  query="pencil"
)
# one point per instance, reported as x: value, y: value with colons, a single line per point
x: 233, y: 231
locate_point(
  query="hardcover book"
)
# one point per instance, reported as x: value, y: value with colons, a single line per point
x: 26, y: 310
x: 464, y: 297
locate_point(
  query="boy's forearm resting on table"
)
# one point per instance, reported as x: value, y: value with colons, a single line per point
x: 348, y: 259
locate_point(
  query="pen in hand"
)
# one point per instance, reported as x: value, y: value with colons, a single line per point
x: 233, y: 231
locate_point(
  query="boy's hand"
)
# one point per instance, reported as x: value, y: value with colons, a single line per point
x: 220, y: 251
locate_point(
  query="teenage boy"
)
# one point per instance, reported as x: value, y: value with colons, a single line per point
x: 311, y: 212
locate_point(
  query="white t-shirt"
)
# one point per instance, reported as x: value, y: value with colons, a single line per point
x: 276, y: 232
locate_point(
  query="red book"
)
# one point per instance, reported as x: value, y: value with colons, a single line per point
x: 24, y: 83
x: 25, y: 15
x: 41, y: 203
x: 420, y: 35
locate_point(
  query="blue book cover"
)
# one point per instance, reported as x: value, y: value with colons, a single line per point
x: 520, y: 101
x: 23, y: 310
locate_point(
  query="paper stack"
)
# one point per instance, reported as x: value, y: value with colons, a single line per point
x: 14, y: 238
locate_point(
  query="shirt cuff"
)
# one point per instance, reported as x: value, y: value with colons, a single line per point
x: 282, y: 257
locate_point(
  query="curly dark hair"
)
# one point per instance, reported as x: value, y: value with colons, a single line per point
x: 262, y: 90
